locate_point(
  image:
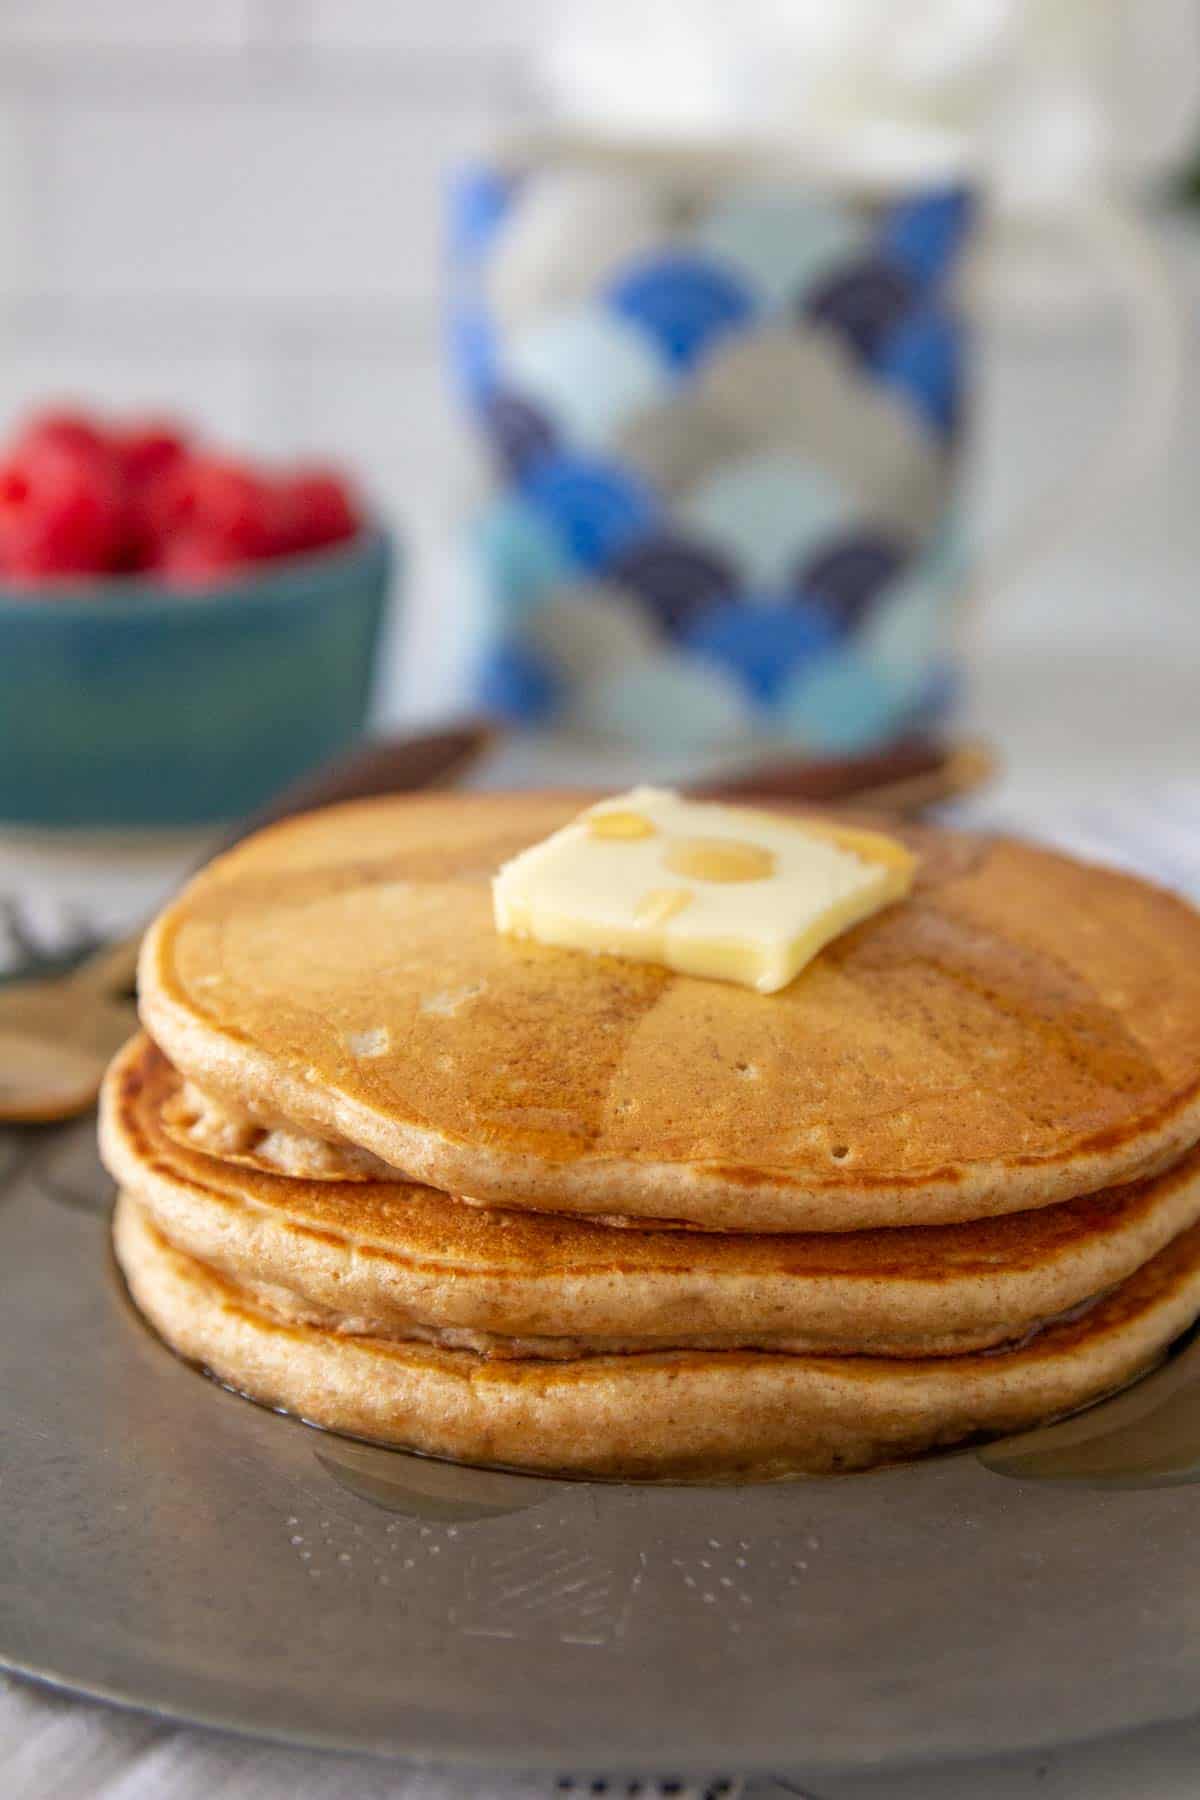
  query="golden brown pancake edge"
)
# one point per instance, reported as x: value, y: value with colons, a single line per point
x: 1022, y: 1029
x: 662, y: 1416
x: 394, y: 1259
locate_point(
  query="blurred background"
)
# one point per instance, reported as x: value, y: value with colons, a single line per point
x: 237, y: 215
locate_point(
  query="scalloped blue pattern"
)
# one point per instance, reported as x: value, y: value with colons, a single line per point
x: 682, y: 302
x: 595, y: 508
x: 923, y: 360
x: 841, y: 706
x: 782, y: 242
x: 472, y: 347
x: 927, y: 235
x: 764, y: 646
x: 520, y: 434
x: 519, y: 557
x: 784, y: 546
x: 764, y: 511
x: 674, y: 577
x: 479, y: 200
x: 845, y: 576
x: 517, y: 684
x: 589, y: 370
x: 864, y: 303
x: 668, y: 702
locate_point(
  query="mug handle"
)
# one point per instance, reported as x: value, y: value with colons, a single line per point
x: 1127, y: 252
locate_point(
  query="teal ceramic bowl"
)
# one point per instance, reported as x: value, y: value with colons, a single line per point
x: 136, y: 706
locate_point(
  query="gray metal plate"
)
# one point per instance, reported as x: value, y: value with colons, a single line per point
x: 168, y: 1545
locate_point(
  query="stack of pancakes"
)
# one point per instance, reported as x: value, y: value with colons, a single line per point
x: 524, y: 1206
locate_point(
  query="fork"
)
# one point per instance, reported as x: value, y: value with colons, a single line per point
x: 23, y: 949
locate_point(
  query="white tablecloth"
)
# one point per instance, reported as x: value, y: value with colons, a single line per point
x: 55, y: 1748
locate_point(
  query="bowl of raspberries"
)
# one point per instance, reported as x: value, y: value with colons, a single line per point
x: 182, y: 631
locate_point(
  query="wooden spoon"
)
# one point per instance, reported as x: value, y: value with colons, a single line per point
x: 57, y: 1035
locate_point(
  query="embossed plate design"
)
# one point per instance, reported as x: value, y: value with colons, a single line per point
x: 167, y: 1545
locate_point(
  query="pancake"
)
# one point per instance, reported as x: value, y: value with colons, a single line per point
x: 394, y: 1260
x: 198, y: 1122
x: 660, y: 1415
x: 1020, y: 1030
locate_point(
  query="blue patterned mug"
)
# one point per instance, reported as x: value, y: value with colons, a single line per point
x: 724, y: 409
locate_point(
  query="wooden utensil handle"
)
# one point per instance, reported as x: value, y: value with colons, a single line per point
x: 906, y: 777
x: 910, y: 774
x: 391, y: 765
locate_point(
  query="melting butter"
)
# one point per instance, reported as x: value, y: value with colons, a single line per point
x: 719, y: 859
x: 661, y: 904
x: 618, y: 824
x: 765, y: 891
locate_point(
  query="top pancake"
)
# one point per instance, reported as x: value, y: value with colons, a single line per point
x: 1021, y: 1029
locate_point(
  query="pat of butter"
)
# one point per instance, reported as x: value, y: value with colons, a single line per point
x: 717, y: 891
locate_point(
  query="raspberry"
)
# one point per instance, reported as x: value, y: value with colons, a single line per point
x: 218, y: 499
x: 148, y: 455
x: 314, y: 507
x: 194, y: 559
x: 78, y: 497
x: 60, y: 510
x: 147, y: 450
x: 64, y: 427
